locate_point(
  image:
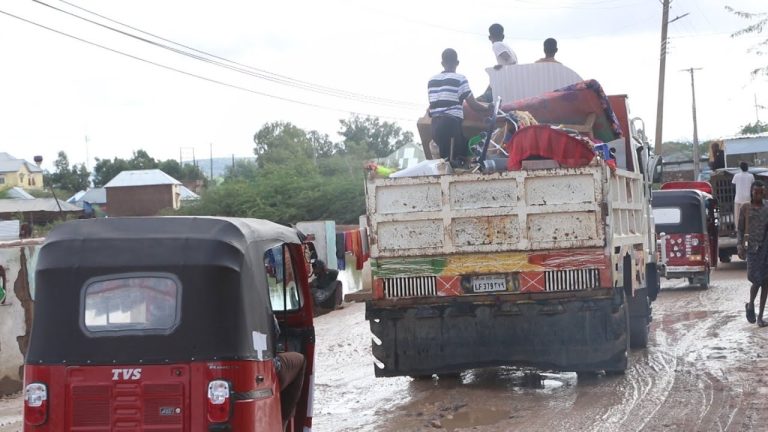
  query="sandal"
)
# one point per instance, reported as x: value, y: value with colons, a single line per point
x: 761, y: 323
x: 750, y: 313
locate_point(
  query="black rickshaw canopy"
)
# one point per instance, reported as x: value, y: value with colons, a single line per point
x: 217, y: 263
x: 692, y: 205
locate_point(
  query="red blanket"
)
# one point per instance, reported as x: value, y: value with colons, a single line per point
x: 547, y: 143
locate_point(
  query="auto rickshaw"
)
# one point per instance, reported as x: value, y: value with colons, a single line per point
x: 168, y: 324
x: 686, y: 230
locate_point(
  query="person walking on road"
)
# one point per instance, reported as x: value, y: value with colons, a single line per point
x: 743, y: 182
x: 752, y: 245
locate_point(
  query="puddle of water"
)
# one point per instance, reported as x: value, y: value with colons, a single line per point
x: 473, y: 418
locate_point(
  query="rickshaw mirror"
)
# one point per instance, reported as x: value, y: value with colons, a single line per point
x: 656, y: 168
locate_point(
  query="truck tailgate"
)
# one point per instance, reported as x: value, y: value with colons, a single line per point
x: 471, y: 213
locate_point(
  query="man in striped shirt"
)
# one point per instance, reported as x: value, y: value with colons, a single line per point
x: 447, y: 92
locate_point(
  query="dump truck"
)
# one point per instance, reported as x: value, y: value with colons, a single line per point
x: 553, y: 268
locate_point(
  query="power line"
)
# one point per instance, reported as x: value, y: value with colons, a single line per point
x: 238, y: 67
x: 234, y: 86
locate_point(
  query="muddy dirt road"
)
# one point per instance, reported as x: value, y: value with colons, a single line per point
x: 705, y: 370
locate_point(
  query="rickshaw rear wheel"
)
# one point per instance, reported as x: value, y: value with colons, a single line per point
x: 724, y: 257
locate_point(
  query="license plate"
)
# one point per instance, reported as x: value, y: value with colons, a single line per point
x: 489, y: 283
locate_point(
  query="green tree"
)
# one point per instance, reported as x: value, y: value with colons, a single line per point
x: 754, y: 128
x: 66, y: 178
x: 378, y: 138
x: 322, y: 145
x: 243, y: 169
x: 756, y: 26
x: 299, y: 175
x: 278, y: 142
x: 105, y: 169
x: 141, y: 160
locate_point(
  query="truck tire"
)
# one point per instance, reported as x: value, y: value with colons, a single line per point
x: 639, y: 326
x: 619, y: 363
x: 653, y: 280
x: 638, y: 333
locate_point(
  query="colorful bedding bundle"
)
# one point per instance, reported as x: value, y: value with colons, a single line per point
x: 570, y: 105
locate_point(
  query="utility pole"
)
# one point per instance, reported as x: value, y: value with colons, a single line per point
x: 695, y: 130
x: 662, y: 72
x: 86, y: 150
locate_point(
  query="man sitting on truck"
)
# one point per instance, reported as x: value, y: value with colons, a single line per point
x: 550, y: 49
x: 504, y: 54
x: 447, y: 92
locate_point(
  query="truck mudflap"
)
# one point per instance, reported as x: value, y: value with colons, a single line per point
x: 571, y: 334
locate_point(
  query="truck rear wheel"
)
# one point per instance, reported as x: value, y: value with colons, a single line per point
x: 638, y: 333
x: 639, y: 322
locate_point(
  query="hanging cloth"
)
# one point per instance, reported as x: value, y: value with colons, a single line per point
x: 341, y: 263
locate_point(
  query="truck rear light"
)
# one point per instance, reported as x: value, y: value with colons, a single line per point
x: 35, y: 404
x: 219, y: 401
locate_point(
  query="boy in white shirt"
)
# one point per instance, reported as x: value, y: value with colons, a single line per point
x: 743, y: 182
x: 504, y: 54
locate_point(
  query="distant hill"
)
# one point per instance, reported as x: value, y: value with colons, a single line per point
x: 220, y: 165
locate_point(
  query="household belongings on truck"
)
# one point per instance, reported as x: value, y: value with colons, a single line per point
x: 573, y: 126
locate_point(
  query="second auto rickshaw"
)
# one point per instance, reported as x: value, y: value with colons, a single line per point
x: 686, y: 228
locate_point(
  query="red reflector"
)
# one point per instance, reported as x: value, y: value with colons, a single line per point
x: 35, y: 404
x: 219, y: 401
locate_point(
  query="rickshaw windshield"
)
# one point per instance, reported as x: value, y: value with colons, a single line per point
x: 281, y: 278
x: 131, y: 304
x: 667, y: 215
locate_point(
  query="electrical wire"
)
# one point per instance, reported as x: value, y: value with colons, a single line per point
x: 234, y: 66
x: 234, y: 86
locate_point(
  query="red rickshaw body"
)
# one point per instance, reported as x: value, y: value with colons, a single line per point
x: 686, y: 231
x: 95, y: 365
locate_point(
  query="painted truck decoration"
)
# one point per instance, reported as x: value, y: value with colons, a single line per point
x: 552, y: 268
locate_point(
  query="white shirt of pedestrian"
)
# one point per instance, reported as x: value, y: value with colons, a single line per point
x: 500, y: 48
x: 743, y: 181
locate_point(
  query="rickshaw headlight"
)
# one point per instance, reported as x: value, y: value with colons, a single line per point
x: 694, y: 241
x: 219, y: 405
x: 35, y: 404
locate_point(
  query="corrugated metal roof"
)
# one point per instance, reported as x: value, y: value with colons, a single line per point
x: 186, y: 194
x: 35, y: 205
x: 9, y: 230
x: 141, y: 178
x: 76, y: 197
x: 9, y: 163
x: 746, y: 145
x: 19, y: 193
x: 95, y: 196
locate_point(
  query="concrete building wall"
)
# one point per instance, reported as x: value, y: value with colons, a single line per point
x: 22, y: 178
x: 141, y: 200
x: 17, y: 259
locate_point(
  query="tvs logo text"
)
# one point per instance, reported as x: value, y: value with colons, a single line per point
x: 126, y: 374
